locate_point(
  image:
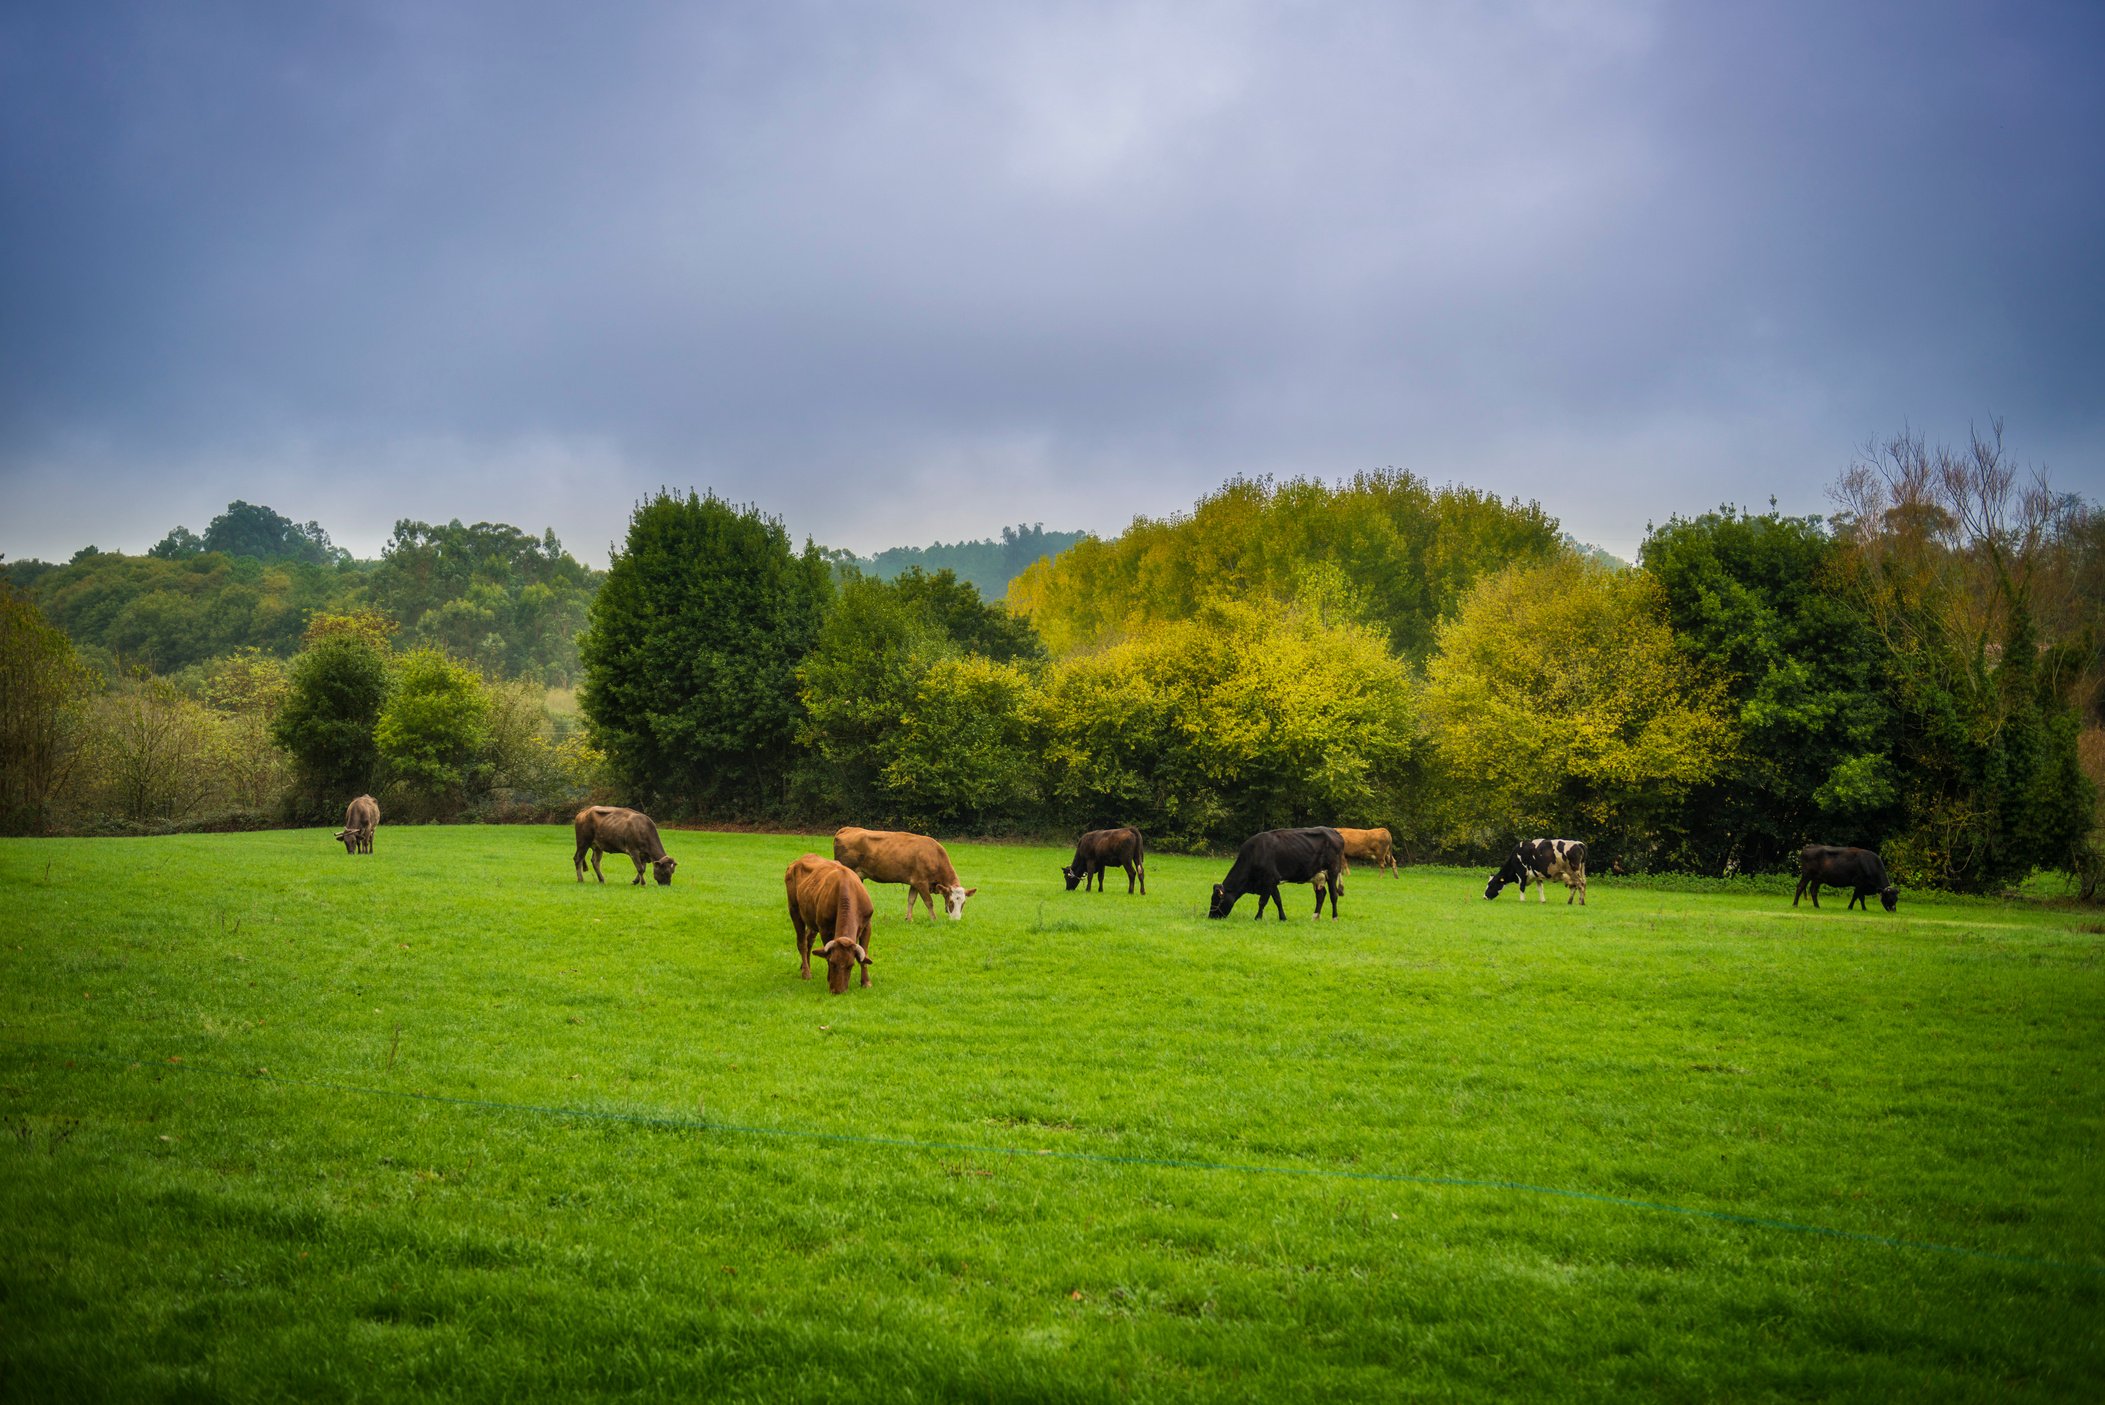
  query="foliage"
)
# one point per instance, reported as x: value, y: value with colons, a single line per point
x: 1758, y: 602
x: 171, y: 614
x: 247, y: 529
x: 1246, y: 717
x: 1953, y: 557
x: 689, y: 663
x: 43, y: 687
x: 986, y: 565
x: 157, y: 751
x: 1559, y: 704
x: 976, y: 626
x: 962, y: 754
x: 433, y: 731
x: 246, y: 689
x: 1408, y: 550
x: 858, y: 685
x: 371, y: 626
x: 488, y: 594
x: 337, y: 688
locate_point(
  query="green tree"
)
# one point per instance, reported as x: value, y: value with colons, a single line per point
x: 1559, y: 703
x: 43, y: 688
x: 691, y: 655
x: 337, y: 688
x: 247, y: 529
x: 962, y: 753
x: 433, y: 732
x: 857, y: 685
x: 1760, y: 603
x: 1246, y: 717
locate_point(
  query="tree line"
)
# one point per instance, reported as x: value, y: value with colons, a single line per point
x: 1918, y: 673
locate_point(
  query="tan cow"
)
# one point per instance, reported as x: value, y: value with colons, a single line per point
x: 609, y: 829
x: 895, y: 856
x: 361, y: 818
x: 828, y: 905
x: 1374, y: 846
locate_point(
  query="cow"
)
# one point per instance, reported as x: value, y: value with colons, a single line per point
x: 829, y: 906
x: 1283, y: 856
x: 1859, y: 870
x: 609, y: 829
x: 361, y: 818
x: 894, y: 856
x: 1100, y: 849
x: 1374, y: 846
x: 1542, y: 860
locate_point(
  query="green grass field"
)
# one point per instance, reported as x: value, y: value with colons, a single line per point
x: 279, y: 1123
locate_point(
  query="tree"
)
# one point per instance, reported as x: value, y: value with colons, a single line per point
x: 247, y: 688
x: 691, y: 654
x: 159, y: 750
x: 338, y: 685
x: 1410, y: 551
x: 1246, y: 717
x: 1759, y: 602
x: 1956, y: 557
x: 857, y: 685
x: 247, y: 529
x: 180, y: 544
x: 963, y: 753
x: 1594, y: 725
x: 433, y: 731
x: 43, y: 685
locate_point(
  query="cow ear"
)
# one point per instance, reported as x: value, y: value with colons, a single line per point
x: 970, y: 891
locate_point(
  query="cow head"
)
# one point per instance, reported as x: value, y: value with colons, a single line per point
x: 661, y: 869
x: 1514, y: 872
x: 1073, y: 876
x: 954, y: 901
x: 1889, y: 896
x: 348, y: 839
x: 842, y: 954
x: 1222, y: 904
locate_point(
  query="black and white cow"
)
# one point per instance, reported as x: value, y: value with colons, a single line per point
x: 1859, y: 870
x: 1542, y: 860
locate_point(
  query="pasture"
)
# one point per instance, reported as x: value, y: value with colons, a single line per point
x: 277, y: 1122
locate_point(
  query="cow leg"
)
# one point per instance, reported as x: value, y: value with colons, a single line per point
x: 1098, y: 877
x: 596, y: 852
x: 1582, y: 888
x: 1278, y: 904
x: 637, y: 859
x: 927, y: 901
x: 1816, y: 892
x: 1801, y: 891
x: 1129, y: 880
x: 867, y: 933
x: 1142, y: 866
x: 577, y: 861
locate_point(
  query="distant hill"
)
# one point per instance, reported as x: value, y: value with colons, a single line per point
x: 988, y: 564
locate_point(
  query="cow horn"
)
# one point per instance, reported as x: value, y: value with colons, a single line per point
x: 861, y: 955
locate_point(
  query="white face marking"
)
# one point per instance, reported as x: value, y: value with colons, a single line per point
x: 954, y: 903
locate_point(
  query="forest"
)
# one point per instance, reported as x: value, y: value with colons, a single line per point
x: 1919, y: 672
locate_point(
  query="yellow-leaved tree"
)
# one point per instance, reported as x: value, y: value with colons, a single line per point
x: 1557, y: 704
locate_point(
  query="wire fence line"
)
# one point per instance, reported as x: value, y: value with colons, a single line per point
x: 673, y: 1122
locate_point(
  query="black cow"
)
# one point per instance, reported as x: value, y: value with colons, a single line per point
x: 1100, y: 849
x: 1860, y: 870
x: 1284, y: 856
x: 1542, y: 860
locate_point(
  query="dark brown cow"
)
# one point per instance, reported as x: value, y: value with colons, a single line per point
x: 1102, y: 849
x: 361, y: 818
x: 895, y: 856
x: 829, y: 906
x: 1861, y: 871
x: 609, y: 829
x: 1374, y: 846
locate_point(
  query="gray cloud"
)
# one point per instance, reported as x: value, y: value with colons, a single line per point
x: 900, y: 272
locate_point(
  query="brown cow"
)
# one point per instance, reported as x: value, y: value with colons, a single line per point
x: 361, y: 818
x: 827, y: 900
x: 894, y: 856
x: 1103, y: 849
x: 1374, y: 846
x: 609, y: 829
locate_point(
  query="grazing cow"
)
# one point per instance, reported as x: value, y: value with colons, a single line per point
x: 829, y: 906
x: 1283, y: 856
x: 1859, y: 870
x: 1542, y: 860
x: 610, y: 829
x: 1100, y: 849
x: 894, y: 856
x: 1374, y: 846
x: 361, y: 818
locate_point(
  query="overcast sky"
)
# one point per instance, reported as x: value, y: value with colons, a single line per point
x: 902, y: 272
